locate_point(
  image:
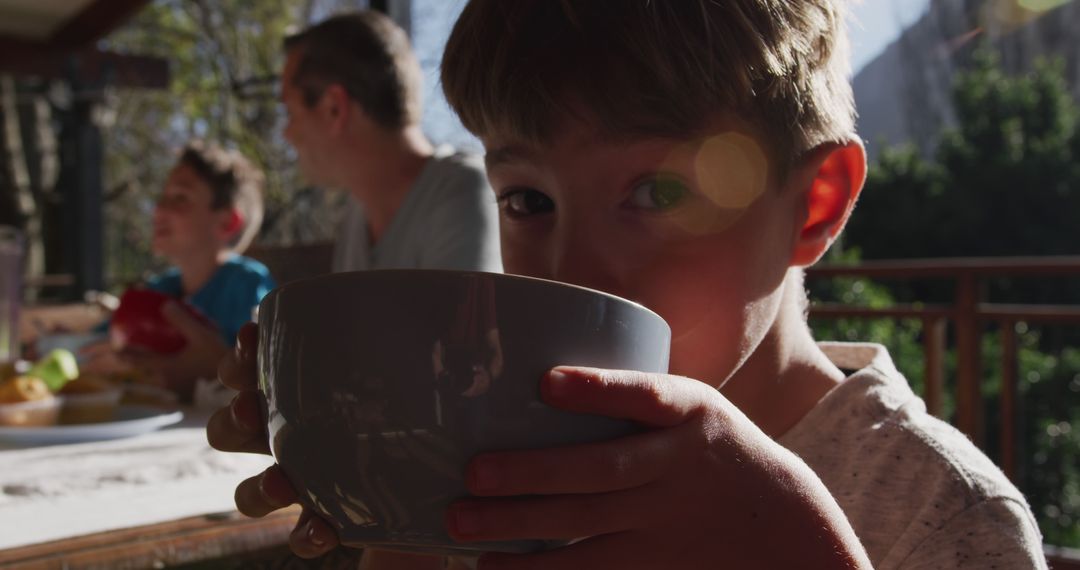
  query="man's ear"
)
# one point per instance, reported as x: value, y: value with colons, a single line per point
x: 335, y: 107
x: 837, y: 173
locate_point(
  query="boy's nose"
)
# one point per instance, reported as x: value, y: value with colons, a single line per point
x: 585, y: 265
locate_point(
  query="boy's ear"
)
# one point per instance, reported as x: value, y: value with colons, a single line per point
x: 836, y: 174
x: 233, y: 222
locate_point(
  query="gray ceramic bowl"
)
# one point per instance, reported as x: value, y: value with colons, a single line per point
x: 380, y: 386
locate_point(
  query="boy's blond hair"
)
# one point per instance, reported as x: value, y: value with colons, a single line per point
x: 654, y: 68
x: 234, y: 183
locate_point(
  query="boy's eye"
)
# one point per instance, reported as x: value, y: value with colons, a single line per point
x: 523, y: 202
x: 658, y: 194
x: 172, y: 201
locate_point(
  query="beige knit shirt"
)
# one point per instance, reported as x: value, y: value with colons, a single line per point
x: 917, y: 492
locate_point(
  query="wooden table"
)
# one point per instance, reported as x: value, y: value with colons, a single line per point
x: 153, y: 501
x: 193, y: 540
x: 162, y: 499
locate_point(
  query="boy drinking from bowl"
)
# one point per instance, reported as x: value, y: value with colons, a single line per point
x: 693, y: 156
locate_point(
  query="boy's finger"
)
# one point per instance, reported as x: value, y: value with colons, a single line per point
x: 265, y: 493
x: 145, y: 360
x: 312, y: 537
x: 247, y: 341
x: 657, y: 400
x: 396, y: 560
x: 601, y: 467
x: 237, y: 372
x: 238, y: 427
x: 563, y: 517
x: 607, y: 551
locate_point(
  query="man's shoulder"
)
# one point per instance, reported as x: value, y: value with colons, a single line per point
x: 452, y: 167
x: 454, y: 187
x: 458, y: 158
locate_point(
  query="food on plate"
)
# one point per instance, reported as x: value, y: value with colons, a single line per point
x: 89, y: 399
x: 148, y: 395
x: 23, y: 389
x: 57, y: 368
x: 27, y: 401
x: 139, y: 323
x: 87, y: 384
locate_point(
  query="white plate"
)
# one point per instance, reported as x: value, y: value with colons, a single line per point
x: 129, y: 421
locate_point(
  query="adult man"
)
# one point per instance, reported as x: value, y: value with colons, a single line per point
x: 351, y: 87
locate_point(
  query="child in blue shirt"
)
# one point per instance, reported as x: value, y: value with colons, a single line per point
x: 228, y: 298
x: 208, y: 212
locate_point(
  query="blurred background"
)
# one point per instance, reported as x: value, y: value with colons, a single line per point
x: 961, y: 256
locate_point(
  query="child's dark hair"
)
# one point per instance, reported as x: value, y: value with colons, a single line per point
x: 234, y: 183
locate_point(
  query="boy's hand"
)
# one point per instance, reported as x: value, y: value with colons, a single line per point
x: 198, y: 359
x: 241, y: 427
x: 704, y: 488
x: 99, y: 357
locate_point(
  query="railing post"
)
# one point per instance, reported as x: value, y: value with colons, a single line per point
x: 1009, y: 371
x: 934, y: 363
x: 968, y: 389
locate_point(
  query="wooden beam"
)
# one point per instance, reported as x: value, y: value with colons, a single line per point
x: 93, y: 67
x: 94, y: 23
x: 951, y: 267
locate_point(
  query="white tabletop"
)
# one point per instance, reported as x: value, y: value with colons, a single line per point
x: 63, y: 491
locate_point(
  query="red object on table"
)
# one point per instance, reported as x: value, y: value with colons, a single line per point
x: 139, y: 322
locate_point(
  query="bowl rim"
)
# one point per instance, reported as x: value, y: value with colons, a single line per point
x: 308, y: 281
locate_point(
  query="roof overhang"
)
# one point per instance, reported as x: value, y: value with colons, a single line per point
x: 44, y: 38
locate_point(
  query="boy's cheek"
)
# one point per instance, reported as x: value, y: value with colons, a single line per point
x: 518, y: 259
x: 701, y: 220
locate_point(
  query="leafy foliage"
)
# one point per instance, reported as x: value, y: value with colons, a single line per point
x: 1005, y: 181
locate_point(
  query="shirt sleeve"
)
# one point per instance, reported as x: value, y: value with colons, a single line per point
x: 463, y: 227
x: 244, y: 293
x: 995, y: 533
x: 167, y: 282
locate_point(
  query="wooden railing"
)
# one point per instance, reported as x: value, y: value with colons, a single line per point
x: 969, y: 317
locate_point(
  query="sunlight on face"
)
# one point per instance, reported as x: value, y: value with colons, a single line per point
x: 694, y: 230
x: 301, y: 128
x: 730, y: 172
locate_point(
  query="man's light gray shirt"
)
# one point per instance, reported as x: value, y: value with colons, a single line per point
x: 448, y: 220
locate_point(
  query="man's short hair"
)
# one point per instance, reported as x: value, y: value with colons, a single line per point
x: 234, y: 183
x: 654, y: 68
x: 370, y: 57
